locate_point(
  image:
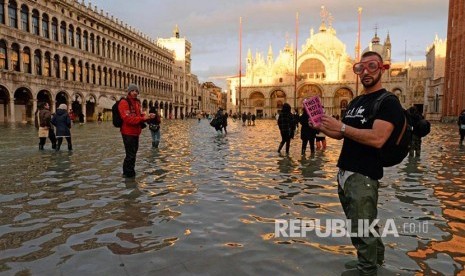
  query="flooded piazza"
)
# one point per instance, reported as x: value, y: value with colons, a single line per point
x: 205, y: 204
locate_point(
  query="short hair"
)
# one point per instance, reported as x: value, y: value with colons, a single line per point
x: 372, y: 53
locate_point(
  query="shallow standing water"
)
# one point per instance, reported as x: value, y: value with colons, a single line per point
x: 206, y: 205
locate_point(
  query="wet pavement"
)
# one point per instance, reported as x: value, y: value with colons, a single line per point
x: 205, y: 204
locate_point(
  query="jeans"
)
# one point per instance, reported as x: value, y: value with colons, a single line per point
x: 359, y: 199
x: 131, y: 146
x: 156, y: 136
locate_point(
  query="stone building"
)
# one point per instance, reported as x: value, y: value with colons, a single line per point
x: 434, y: 87
x: 69, y: 52
x: 321, y: 68
x: 454, y: 90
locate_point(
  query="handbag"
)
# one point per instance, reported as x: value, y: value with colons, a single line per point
x: 154, y: 127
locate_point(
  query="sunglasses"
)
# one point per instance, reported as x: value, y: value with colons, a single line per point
x: 371, y: 66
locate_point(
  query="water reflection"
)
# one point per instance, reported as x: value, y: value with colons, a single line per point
x: 204, y: 203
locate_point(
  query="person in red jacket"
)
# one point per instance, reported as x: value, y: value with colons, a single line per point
x: 130, y: 111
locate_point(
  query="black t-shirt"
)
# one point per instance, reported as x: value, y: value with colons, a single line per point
x: 364, y: 159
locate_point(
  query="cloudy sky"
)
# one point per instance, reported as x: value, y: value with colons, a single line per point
x: 212, y: 26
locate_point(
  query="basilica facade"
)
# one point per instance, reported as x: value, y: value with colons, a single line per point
x: 321, y: 67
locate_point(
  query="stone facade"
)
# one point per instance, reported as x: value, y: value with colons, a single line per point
x: 69, y: 52
x: 454, y: 92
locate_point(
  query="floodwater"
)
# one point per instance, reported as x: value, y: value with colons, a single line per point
x: 205, y: 204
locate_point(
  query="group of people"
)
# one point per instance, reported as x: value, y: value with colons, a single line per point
x: 288, y: 124
x: 45, y: 122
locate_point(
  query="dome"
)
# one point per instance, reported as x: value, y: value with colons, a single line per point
x: 326, y: 41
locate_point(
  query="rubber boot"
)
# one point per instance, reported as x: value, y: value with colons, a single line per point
x: 54, y: 145
x: 41, y: 147
x: 288, y: 146
x: 70, y: 147
x: 155, y: 144
x: 303, y: 152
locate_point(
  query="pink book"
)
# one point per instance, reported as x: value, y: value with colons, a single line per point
x: 314, y: 109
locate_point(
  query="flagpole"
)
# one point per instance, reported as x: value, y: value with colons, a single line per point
x: 240, y: 66
x: 295, y: 58
x: 357, y: 54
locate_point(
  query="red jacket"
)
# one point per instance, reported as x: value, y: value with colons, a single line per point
x: 131, y: 115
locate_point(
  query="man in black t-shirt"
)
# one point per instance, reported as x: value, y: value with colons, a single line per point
x: 461, y: 123
x: 360, y: 166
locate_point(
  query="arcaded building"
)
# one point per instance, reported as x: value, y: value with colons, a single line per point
x: 320, y: 67
x: 454, y: 92
x: 69, y: 52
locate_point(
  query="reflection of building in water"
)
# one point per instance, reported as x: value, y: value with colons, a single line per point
x: 323, y: 69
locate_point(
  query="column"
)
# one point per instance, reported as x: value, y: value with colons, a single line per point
x: 7, y: 16
x: 12, y: 110
x: 29, y: 21
x: 84, y: 109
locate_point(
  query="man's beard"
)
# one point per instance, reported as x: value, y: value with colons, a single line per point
x: 372, y: 83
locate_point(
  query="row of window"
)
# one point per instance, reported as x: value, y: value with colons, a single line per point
x: 49, y: 65
x: 81, y: 39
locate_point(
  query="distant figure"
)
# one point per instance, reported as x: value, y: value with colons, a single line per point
x: 225, y: 123
x: 461, y: 123
x: 320, y: 140
x: 307, y: 134
x: 154, y: 126
x: 62, y: 121
x: 99, y: 118
x: 199, y: 117
x: 415, y: 145
x: 219, y: 121
x: 253, y: 119
x: 285, y: 124
x: 42, y: 122
x: 81, y: 118
x: 244, y: 118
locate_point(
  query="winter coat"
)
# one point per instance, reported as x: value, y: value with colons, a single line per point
x: 62, y: 122
x: 132, y: 117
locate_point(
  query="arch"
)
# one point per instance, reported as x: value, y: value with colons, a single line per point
x: 44, y: 96
x: 4, y: 101
x: 61, y: 97
x: 307, y: 91
x: 257, y: 99
x: 15, y: 57
x: 91, y: 104
x: 312, y: 68
x: 37, y: 62
x: 23, y: 101
x: 341, y: 99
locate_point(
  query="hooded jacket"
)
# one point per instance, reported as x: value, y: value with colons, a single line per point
x: 131, y: 115
x: 62, y: 122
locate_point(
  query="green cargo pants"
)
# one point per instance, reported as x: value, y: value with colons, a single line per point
x: 359, y: 199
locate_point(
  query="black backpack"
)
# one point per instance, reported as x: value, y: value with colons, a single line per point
x: 421, y: 128
x: 117, y: 120
x: 396, y: 148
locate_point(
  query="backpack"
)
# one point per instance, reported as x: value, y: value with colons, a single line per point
x: 421, y: 128
x: 117, y: 120
x: 396, y: 148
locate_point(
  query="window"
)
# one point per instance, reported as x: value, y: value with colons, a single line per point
x: 64, y: 68
x: 85, y: 41
x: 35, y: 22
x: 98, y: 44
x: 2, y: 13
x: 37, y: 63
x: 12, y: 6
x: 24, y: 18
x: 55, y: 29
x: 47, y: 65
x: 63, y: 32
x: 27, y: 61
x: 56, y: 66
x: 45, y: 23
x: 72, y: 66
x: 92, y: 50
x: 86, y: 73
x: 3, y: 56
x: 78, y: 38
x: 79, y: 71
x: 71, y: 35
x: 15, y: 57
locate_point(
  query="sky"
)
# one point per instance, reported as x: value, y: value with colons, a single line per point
x: 212, y: 26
